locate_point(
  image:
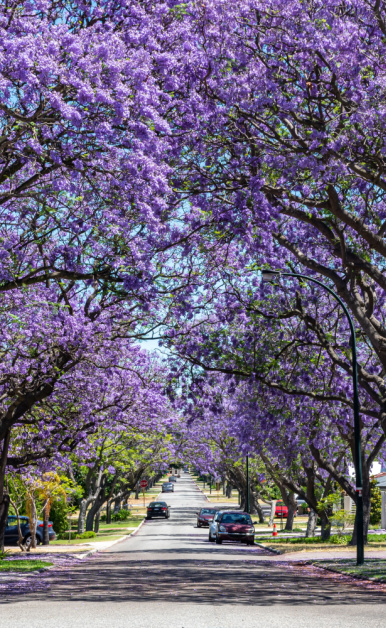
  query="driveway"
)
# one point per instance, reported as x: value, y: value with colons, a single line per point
x: 170, y: 576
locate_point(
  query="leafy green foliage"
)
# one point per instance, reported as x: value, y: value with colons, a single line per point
x: 376, y: 503
x: 121, y: 515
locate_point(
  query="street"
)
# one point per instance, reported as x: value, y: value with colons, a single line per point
x: 170, y: 576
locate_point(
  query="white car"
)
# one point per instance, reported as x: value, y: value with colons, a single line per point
x: 213, y: 527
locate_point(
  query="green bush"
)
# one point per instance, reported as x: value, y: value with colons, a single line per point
x: 64, y: 536
x: 338, y: 539
x: 87, y: 535
x: 121, y: 515
x: 58, y: 515
x: 376, y: 503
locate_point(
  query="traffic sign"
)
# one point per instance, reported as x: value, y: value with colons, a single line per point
x: 143, y: 483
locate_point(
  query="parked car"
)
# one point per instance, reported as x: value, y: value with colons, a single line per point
x: 281, y: 510
x: 205, y: 516
x: 172, y: 478
x: 11, y: 533
x: 168, y: 487
x: 213, y: 525
x: 158, y: 509
x: 235, y: 526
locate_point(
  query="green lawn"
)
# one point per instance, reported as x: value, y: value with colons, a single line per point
x: 285, y: 545
x: 108, y: 532
x: 373, y: 569
x: 23, y: 565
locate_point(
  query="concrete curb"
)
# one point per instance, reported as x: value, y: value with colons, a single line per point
x: 269, y: 549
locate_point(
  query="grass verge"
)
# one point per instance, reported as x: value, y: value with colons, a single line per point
x: 373, y: 569
x: 23, y: 565
x: 299, y: 544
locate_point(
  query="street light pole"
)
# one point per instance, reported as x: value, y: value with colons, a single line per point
x: 247, y: 496
x: 269, y: 274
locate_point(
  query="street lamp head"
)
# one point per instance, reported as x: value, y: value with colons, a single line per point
x: 269, y: 275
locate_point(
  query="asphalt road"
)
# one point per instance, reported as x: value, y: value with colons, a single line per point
x: 170, y: 576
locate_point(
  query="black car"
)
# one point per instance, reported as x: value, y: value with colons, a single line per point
x: 12, y: 535
x: 168, y: 487
x: 158, y: 509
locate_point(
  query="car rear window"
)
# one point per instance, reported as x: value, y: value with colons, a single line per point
x: 236, y: 518
x: 157, y: 504
x: 208, y: 511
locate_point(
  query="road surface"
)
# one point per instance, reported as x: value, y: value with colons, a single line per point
x: 170, y: 576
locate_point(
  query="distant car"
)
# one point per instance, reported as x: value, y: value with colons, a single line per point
x: 168, y: 487
x: 205, y: 516
x: 281, y: 510
x: 172, y: 478
x: 235, y: 526
x: 213, y: 525
x: 158, y: 509
x: 11, y: 533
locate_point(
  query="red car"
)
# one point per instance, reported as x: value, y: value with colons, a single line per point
x: 281, y: 510
x: 205, y: 517
x: 235, y: 526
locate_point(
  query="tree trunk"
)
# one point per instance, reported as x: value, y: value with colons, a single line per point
x: 84, y: 504
x: 272, y: 515
x: 292, y: 507
x: 4, y: 506
x: 96, y: 523
x: 137, y: 489
x: 326, y: 527
x: 19, y: 532
x: 259, y: 511
x: 228, y: 491
x: 46, y: 538
x: 366, y: 512
x: 4, y: 497
x: 33, y: 519
x: 311, y: 523
x: 92, y: 514
x: 108, y: 512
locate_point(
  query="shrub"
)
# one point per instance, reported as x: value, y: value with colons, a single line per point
x: 376, y: 503
x: 87, y: 535
x: 64, y: 536
x: 58, y: 515
x: 338, y: 539
x: 121, y: 515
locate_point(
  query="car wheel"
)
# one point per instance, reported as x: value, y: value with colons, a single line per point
x: 218, y: 541
x: 252, y: 542
x: 148, y: 518
x: 28, y: 539
x: 211, y: 539
x: 198, y: 525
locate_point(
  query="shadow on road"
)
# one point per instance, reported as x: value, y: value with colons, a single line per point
x: 113, y: 579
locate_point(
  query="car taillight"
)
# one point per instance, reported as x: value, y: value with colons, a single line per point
x: 41, y: 525
x: 164, y: 508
